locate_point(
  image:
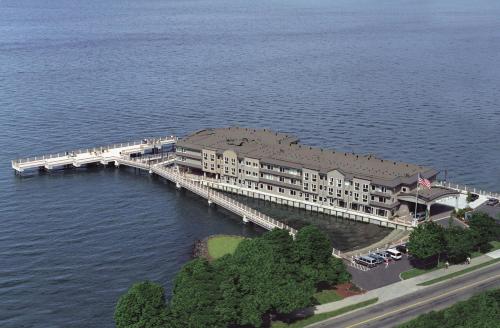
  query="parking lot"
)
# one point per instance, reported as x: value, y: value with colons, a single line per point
x: 380, y: 276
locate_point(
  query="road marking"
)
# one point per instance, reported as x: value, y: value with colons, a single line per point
x: 423, y: 301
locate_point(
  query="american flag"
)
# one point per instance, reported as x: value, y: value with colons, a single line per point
x: 424, y: 182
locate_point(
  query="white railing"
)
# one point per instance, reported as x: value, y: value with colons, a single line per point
x: 146, y: 141
x: 216, y: 197
x: 465, y: 189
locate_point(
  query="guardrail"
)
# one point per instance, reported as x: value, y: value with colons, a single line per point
x: 465, y: 189
x: 216, y: 197
x: 146, y: 141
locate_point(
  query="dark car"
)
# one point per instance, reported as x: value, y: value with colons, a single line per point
x: 402, y: 248
x: 492, y: 202
x: 378, y: 258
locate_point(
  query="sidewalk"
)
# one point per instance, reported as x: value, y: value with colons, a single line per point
x: 400, y: 288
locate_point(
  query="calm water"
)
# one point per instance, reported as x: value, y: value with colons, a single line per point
x: 409, y: 80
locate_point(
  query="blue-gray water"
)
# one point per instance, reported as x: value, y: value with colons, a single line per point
x: 408, y: 80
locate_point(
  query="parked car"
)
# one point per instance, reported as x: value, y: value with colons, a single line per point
x: 492, y: 202
x: 384, y: 255
x: 378, y: 258
x: 394, y: 253
x: 402, y: 248
x: 420, y: 216
x: 366, y: 261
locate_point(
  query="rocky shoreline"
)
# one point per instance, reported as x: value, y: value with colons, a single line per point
x: 200, y: 248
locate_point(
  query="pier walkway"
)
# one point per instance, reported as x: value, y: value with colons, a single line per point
x: 214, y: 197
x: 103, y: 155
x: 157, y: 163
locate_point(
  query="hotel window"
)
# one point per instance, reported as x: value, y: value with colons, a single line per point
x: 339, y: 183
x: 205, y: 165
x: 365, y: 188
x: 306, y: 186
x: 315, y: 198
x: 404, y: 189
x: 314, y: 177
x: 282, y: 179
x: 254, y: 174
x: 183, y: 159
x: 384, y: 189
x: 381, y: 212
x: 262, y: 175
x: 313, y: 187
x: 233, y: 170
x: 248, y: 163
x: 255, y: 164
x: 226, y: 170
x: 356, y: 185
x: 205, y: 156
x: 282, y: 169
x: 373, y: 187
x: 365, y: 198
x: 306, y: 176
x: 330, y: 191
x: 269, y: 167
x: 293, y: 192
x: 321, y: 198
x: 281, y: 190
x: 320, y: 187
x: 269, y: 187
x: 212, y: 167
x: 346, y: 192
x: 239, y: 181
x: 339, y: 193
x: 261, y: 186
x: 331, y: 181
x: 233, y: 161
x: 373, y: 198
x: 306, y: 196
x: 226, y: 160
x: 239, y: 170
x: 356, y: 196
x: 212, y: 157
x: 249, y: 183
x: 331, y: 201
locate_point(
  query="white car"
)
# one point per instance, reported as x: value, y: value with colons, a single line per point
x: 394, y: 253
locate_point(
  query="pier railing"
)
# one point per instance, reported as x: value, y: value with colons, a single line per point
x: 466, y: 189
x: 211, y: 195
x: 146, y: 141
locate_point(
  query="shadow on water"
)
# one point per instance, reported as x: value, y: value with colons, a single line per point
x: 344, y: 234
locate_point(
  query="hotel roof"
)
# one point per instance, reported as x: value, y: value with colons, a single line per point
x: 283, y: 149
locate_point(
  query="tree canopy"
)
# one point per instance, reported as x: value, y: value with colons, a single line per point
x: 484, y: 229
x: 143, y: 306
x: 270, y: 274
x: 427, y: 240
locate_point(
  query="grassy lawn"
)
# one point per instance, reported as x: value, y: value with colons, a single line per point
x: 494, y: 244
x: 327, y: 296
x: 323, y: 316
x: 219, y: 246
x: 458, y: 273
x: 417, y: 272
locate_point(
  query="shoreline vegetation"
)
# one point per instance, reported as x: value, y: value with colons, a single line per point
x: 265, y: 277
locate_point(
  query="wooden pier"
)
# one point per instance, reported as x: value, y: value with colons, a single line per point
x: 126, y: 154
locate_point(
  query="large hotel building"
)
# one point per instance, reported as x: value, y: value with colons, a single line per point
x: 277, y: 164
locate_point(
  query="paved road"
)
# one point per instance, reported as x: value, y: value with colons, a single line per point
x: 434, y: 297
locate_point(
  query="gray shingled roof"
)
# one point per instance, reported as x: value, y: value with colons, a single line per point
x: 283, y: 149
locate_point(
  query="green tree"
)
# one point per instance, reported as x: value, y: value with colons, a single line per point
x: 195, y: 296
x: 427, y: 240
x: 143, y: 306
x: 312, y: 246
x: 484, y: 229
x: 459, y: 244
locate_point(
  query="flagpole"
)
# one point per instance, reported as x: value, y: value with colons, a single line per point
x: 416, y: 197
